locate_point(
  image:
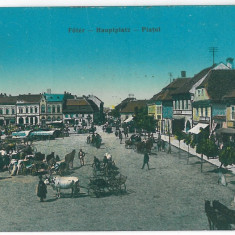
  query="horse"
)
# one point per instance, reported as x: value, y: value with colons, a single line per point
x: 59, y: 183
x: 69, y: 158
x: 229, y: 214
x: 215, y: 218
x: 50, y: 156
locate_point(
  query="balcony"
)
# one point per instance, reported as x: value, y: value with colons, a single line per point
x: 182, y: 112
x: 204, y: 119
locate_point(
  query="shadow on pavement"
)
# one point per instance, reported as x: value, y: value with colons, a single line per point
x: 51, y: 200
x: 222, y: 170
x: 3, y: 178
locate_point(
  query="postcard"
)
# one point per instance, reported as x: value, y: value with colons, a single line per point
x: 117, y: 118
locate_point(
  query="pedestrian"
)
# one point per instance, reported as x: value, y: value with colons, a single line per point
x: 81, y: 156
x: 120, y: 137
x: 41, y: 189
x: 146, y: 160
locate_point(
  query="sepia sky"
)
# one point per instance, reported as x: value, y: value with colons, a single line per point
x: 38, y: 52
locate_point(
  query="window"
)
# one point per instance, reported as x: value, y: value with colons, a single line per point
x: 186, y: 104
x: 182, y: 104
x: 202, y: 92
x: 43, y: 108
x: 35, y: 109
x: 27, y: 110
x: 199, y: 92
x: 206, y: 113
x: 201, y: 112
x: 197, y: 112
x: 49, y: 109
x: 13, y: 111
x: 7, y: 111
x: 53, y: 108
x: 1, y: 112
x: 31, y: 110
x: 233, y: 112
x: 58, y: 108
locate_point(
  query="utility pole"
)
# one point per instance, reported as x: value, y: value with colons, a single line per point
x: 213, y: 50
x: 169, y: 148
x: 170, y: 74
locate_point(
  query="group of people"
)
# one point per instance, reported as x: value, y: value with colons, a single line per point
x: 95, y: 139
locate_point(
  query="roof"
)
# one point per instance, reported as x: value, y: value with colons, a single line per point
x: 80, y: 105
x: 30, y: 98
x: 76, y: 102
x: 54, y: 97
x: 189, y: 84
x: 218, y: 83
x: 130, y: 107
x: 166, y: 92
x: 230, y: 94
x: 123, y: 104
x: 8, y: 100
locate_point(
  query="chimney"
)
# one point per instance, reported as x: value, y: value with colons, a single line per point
x: 229, y: 62
x: 183, y: 74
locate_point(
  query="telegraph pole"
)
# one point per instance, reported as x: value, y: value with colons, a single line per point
x: 213, y: 50
x: 170, y: 74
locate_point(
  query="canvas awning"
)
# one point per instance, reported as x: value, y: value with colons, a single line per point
x: 229, y: 131
x: 20, y: 134
x: 128, y: 119
x: 196, y: 129
x: 42, y: 133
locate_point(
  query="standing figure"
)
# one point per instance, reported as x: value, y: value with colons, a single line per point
x: 41, y: 189
x: 81, y: 156
x: 146, y: 160
x: 120, y: 137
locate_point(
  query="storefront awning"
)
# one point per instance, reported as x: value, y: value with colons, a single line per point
x: 128, y: 119
x: 196, y: 129
x: 229, y: 131
x: 40, y: 133
x: 20, y: 134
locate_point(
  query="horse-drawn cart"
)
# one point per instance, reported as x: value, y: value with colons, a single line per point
x: 106, y: 180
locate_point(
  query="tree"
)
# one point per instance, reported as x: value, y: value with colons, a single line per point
x: 211, y: 150
x: 179, y: 136
x: 227, y: 155
x: 188, y: 140
x: 143, y: 121
x: 202, y: 143
x: 115, y: 113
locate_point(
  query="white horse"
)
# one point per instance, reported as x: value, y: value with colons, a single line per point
x: 59, y: 183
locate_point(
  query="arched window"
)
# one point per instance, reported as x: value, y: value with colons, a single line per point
x: 7, y: 111
x: 27, y: 110
x: 53, y: 118
x: 31, y: 109
x: 53, y: 108
x: 13, y: 111
x: 58, y: 108
x: 58, y: 118
x: 49, y: 109
x: 27, y: 120
x: 35, y: 109
x: 49, y: 118
x: 43, y: 108
x: 1, y: 112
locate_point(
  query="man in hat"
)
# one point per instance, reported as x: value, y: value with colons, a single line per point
x: 41, y: 189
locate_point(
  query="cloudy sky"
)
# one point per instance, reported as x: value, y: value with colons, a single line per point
x: 38, y: 52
